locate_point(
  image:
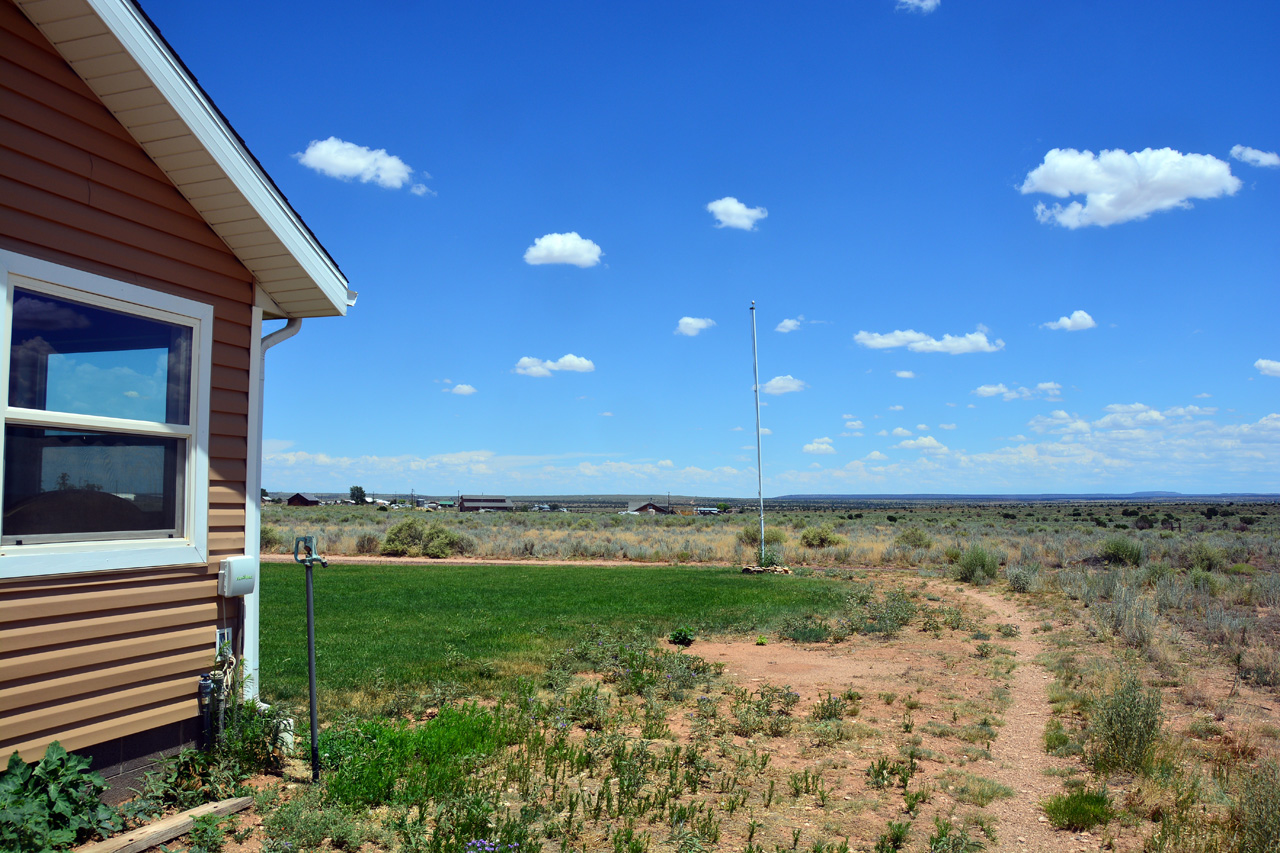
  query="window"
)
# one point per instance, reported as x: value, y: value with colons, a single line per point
x: 104, y: 448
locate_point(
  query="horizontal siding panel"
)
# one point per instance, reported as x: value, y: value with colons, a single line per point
x: 226, y: 423
x: 62, y: 584
x: 172, y: 251
x: 21, y: 694
x: 22, y: 226
x: 230, y: 516
x: 26, y: 605
x: 37, y: 146
x: 230, y: 378
x: 100, y: 731
x: 227, y: 492
x: 67, y: 185
x: 20, y: 636
x: 66, y: 104
x: 230, y: 356
x: 224, y: 541
x: 53, y: 717
x: 228, y: 446
x: 223, y: 400
x: 54, y: 83
x: 45, y: 661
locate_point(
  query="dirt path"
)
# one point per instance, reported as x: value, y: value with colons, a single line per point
x: 1018, y: 756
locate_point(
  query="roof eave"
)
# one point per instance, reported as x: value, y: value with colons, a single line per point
x: 311, y: 279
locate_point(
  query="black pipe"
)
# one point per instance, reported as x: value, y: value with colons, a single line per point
x: 311, y: 662
x: 206, y: 710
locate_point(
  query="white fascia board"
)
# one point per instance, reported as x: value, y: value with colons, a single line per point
x: 153, y: 56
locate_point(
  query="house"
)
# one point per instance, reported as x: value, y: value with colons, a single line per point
x: 301, y: 499
x: 647, y: 507
x: 135, y: 229
x: 486, y: 503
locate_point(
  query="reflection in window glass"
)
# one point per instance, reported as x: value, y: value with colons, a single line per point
x: 59, y: 482
x: 117, y: 384
x: 77, y: 358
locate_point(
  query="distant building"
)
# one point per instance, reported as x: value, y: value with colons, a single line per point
x: 302, y: 499
x: 648, y: 507
x: 492, y: 503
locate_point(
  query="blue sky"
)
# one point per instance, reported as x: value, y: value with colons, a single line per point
x: 995, y: 247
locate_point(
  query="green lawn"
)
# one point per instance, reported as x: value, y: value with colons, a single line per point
x: 406, y: 626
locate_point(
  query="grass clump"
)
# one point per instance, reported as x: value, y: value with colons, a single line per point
x: 822, y: 536
x: 1078, y: 810
x: 973, y: 789
x: 914, y: 537
x: 1255, y: 812
x: 1124, y: 727
x: 977, y: 566
x: 375, y: 763
x: 1119, y: 551
x: 750, y: 535
x: 805, y: 628
x: 1023, y: 577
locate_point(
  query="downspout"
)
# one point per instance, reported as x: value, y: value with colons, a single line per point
x: 253, y: 527
x: 288, y: 330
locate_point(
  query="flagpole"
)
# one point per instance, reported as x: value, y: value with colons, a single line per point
x: 755, y: 365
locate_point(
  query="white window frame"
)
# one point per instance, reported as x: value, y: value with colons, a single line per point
x: 57, y: 558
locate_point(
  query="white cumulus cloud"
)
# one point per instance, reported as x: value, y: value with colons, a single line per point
x: 819, y: 446
x: 789, y: 325
x: 905, y: 374
x: 783, y: 385
x: 894, y: 408
x: 855, y: 424
x: 1119, y: 186
x: 991, y: 390
x: 924, y: 7
x: 876, y: 456
x: 690, y: 326
x: 461, y: 389
x: 731, y: 213
x: 920, y: 342
x: 1077, y: 322
x: 568, y: 248
x: 925, y: 444
x: 529, y: 366
x: 1254, y: 157
x: 900, y: 432
x: 347, y: 161
x: 946, y: 426
x: 1267, y: 367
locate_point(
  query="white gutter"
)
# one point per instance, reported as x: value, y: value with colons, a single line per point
x: 253, y: 492
x: 288, y: 330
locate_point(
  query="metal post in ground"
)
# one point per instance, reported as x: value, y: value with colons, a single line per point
x: 304, y: 551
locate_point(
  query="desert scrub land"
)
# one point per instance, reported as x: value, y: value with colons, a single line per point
x: 980, y: 700
x: 921, y: 534
x: 1037, y: 682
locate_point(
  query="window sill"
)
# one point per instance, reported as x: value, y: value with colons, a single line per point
x: 27, y: 561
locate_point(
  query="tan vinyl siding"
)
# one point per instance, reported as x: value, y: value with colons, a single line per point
x: 88, y: 658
